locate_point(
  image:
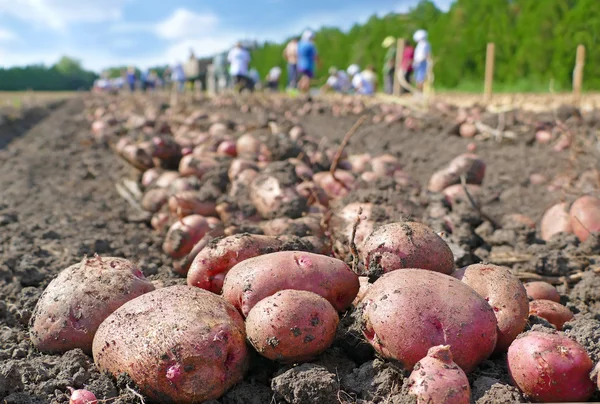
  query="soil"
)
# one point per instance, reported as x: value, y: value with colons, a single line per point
x: 59, y: 203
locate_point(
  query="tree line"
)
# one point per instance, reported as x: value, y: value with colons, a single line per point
x: 535, y: 46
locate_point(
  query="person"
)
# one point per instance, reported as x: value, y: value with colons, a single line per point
x: 308, y: 57
x: 421, y: 57
x: 144, y: 80
x: 389, y: 63
x: 220, y: 71
x: 360, y: 85
x: 239, y: 59
x: 369, y: 75
x: 290, y: 54
x: 406, y: 66
x: 273, y: 78
x: 131, y: 78
x: 192, y: 70
x: 178, y: 77
x: 254, y: 80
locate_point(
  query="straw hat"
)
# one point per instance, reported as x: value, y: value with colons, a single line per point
x: 389, y: 41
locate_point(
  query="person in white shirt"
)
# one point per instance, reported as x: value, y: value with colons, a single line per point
x: 239, y: 59
x: 369, y: 75
x: 273, y: 78
x: 421, y: 58
x: 360, y: 84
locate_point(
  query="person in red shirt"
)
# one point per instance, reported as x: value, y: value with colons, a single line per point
x: 406, y: 66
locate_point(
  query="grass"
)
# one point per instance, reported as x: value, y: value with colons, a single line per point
x: 16, y: 99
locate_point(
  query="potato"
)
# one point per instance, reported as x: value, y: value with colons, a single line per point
x: 467, y: 130
x: 74, y: 304
x: 238, y: 165
x: 437, y: 379
x: 337, y: 187
x: 248, y: 146
x: 252, y: 280
x: 406, y: 245
x: 517, y: 220
x: 188, y: 203
x: 505, y: 293
x: 303, y: 226
x: 227, y: 148
x: 441, y: 180
x: 137, y: 156
x: 216, y: 229
x: 553, y: 312
x: 179, y: 344
x: 550, y: 368
x: 585, y: 217
x: 184, y: 234
x: 385, y: 165
x: 150, y: 176
x: 274, y: 195
x: 191, y: 165
x: 555, y: 220
x: 542, y: 291
x: 359, y: 162
x: 154, y: 199
x: 456, y: 192
x: 364, y: 286
x: 292, y: 326
x: 405, y: 313
x: 469, y: 165
x: 166, y: 178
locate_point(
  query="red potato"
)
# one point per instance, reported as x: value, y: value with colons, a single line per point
x: 456, y: 192
x: 165, y: 179
x: 227, y: 148
x: 252, y: 280
x: 184, y: 234
x: 405, y: 313
x: 188, y: 203
x: 553, y: 312
x: 342, y: 226
x: 335, y: 188
x: 238, y: 166
x: 359, y: 162
x: 216, y: 229
x: 437, y: 379
x: 296, y: 133
x: 178, y: 344
x: 154, y: 199
x: 303, y: 226
x: 191, y: 165
x: 364, y: 286
x: 505, y: 293
x: 273, y: 198
x: 385, y: 165
x: 303, y: 171
x: 217, y: 129
x: 82, y: 397
x: 585, y: 217
x: 248, y: 146
x: 160, y: 221
x: 78, y: 300
x: 406, y: 245
x: 469, y: 165
x: 467, y: 130
x: 165, y: 147
x: 555, y: 220
x: 210, y: 266
x: 150, y: 176
x: 239, y: 186
x: 550, y: 368
x: 369, y: 176
x: 137, y: 156
x: 314, y: 194
x: 542, y: 291
x: 292, y: 326
x: 472, y: 147
x: 441, y: 180
x: 543, y: 136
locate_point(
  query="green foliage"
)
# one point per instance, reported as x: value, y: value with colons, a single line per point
x: 535, y: 40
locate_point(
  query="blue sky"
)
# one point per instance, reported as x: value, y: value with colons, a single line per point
x: 104, y: 33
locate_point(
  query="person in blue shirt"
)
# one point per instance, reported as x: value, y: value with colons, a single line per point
x: 178, y: 77
x: 308, y: 58
x: 131, y: 78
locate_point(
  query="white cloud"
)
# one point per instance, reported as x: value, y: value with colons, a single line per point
x: 59, y: 14
x: 7, y: 35
x: 184, y: 23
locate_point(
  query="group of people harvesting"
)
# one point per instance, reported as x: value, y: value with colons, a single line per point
x: 232, y: 69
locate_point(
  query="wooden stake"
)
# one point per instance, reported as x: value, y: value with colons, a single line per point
x: 578, y: 73
x: 489, y: 71
x: 399, y: 52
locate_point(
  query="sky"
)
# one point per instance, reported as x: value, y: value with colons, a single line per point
x: 103, y: 33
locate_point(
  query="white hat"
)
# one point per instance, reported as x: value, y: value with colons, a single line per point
x: 353, y: 70
x: 420, y: 35
x: 308, y: 34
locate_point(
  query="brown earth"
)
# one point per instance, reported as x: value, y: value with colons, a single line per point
x: 58, y: 202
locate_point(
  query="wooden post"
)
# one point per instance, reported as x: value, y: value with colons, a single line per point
x: 578, y: 73
x: 489, y: 71
x: 399, y: 52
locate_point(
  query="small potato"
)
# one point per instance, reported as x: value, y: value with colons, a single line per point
x: 137, y: 156
x: 178, y: 344
x: 585, y: 217
x: 292, y: 326
x: 150, y: 176
x: 385, y: 165
x: 456, y: 192
x: 184, y: 234
x: 405, y: 313
x: 248, y: 146
x: 78, y: 300
x: 550, y: 368
x: 303, y: 226
x: 406, y: 245
x: 160, y: 221
x: 470, y: 165
x: 166, y: 178
x: 467, y: 130
x: 191, y: 165
x: 359, y: 162
x: 505, y: 293
x: 252, y: 280
x: 437, y: 379
x: 337, y: 187
x: 238, y: 165
x: 553, y: 312
x: 188, y: 203
x: 314, y: 194
x: 542, y: 291
x: 517, y: 220
x: 273, y: 197
x: 364, y: 286
x: 154, y: 199
x: 555, y: 220
x: 441, y: 180
x: 227, y: 148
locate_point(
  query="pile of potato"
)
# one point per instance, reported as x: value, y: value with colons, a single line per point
x: 275, y: 251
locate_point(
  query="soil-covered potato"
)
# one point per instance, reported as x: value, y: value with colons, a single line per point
x: 179, y: 344
x: 78, y: 300
x: 254, y: 279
